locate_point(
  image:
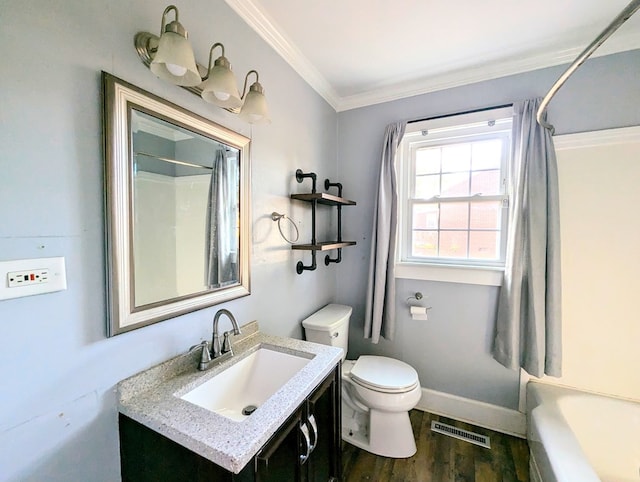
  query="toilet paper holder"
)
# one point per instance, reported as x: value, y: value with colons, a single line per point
x: 417, y: 296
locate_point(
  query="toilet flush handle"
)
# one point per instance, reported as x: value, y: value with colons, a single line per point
x: 335, y: 335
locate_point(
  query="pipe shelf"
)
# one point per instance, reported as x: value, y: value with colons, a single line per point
x: 324, y: 198
x: 323, y: 246
x: 315, y: 198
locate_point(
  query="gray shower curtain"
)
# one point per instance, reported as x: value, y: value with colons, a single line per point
x: 380, y: 314
x: 528, y: 327
x: 221, y: 267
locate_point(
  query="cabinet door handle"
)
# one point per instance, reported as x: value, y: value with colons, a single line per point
x: 314, y: 431
x: 305, y: 434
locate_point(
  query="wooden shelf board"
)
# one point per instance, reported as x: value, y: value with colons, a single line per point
x: 324, y: 198
x: 323, y: 246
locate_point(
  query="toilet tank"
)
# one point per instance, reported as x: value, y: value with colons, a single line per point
x: 329, y: 326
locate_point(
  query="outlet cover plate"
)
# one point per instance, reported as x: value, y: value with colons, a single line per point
x: 56, y: 279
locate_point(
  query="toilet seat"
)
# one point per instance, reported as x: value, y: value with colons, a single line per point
x: 383, y: 374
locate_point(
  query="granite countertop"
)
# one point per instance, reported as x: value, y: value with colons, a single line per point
x: 152, y: 399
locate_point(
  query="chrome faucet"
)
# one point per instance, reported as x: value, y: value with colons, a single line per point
x: 209, y: 358
x: 218, y: 351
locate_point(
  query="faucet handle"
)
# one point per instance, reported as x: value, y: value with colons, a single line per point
x: 226, y: 342
x: 205, y: 354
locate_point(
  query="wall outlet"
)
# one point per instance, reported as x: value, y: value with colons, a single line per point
x: 26, y: 277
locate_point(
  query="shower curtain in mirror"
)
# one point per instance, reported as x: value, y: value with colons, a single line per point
x: 380, y: 313
x: 221, y: 267
x: 528, y: 326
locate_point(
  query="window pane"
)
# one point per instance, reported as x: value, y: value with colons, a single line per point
x: 453, y: 210
x: 424, y: 243
x: 428, y: 160
x: 456, y: 157
x: 485, y: 182
x: 427, y: 186
x: 484, y: 244
x: 454, y: 216
x: 425, y: 216
x: 487, y: 154
x: 453, y: 244
x: 455, y: 184
x: 485, y: 215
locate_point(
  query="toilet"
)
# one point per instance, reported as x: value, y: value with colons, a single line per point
x: 377, y: 391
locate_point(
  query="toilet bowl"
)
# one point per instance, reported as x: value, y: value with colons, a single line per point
x: 377, y: 391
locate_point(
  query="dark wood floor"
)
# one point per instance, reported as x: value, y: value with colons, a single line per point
x: 441, y: 458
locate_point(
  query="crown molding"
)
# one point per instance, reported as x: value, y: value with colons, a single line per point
x: 264, y: 26
x: 487, y: 71
x: 259, y: 21
x: 607, y: 137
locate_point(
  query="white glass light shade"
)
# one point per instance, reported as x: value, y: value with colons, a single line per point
x: 254, y: 110
x: 174, y: 57
x: 221, y: 89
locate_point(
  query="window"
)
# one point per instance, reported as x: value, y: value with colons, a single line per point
x: 453, y: 188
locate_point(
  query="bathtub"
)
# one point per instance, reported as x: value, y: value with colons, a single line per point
x: 577, y: 436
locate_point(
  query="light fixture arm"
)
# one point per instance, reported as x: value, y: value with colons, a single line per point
x: 174, y: 26
x: 221, y: 60
x: 217, y: 44
x: 246, y: 77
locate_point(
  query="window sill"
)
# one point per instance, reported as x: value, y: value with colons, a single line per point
x: 474, y: 275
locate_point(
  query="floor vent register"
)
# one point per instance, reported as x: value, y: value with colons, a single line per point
x: 472, y: 437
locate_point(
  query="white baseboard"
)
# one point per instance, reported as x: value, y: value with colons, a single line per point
x: 482, y: 414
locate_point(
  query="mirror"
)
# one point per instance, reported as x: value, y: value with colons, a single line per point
x: 177, y: 207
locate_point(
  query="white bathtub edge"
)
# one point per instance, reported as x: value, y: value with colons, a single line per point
x: 555, y: 452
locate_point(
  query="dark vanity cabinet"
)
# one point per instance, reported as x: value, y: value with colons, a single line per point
x: 305, y: 448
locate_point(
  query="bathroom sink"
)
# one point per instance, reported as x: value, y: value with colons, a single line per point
x: 240, y: 389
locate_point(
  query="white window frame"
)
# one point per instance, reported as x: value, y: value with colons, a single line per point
x: 451, y: 129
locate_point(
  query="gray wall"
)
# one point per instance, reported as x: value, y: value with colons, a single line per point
x: 451, y: 351
x: 57, y: 369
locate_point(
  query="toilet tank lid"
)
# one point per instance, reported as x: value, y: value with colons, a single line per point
x: 328, y: 318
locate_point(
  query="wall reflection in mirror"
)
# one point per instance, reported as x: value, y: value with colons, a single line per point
x: 177, y: 209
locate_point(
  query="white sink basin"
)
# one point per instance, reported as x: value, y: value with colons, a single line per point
x: 249, y: 382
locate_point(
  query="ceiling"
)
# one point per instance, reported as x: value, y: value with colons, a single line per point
x: 362, y: 52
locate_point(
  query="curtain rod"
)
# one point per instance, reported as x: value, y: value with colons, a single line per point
x: 473, y: 111
x: 586, y: 53
x: 173, y: 161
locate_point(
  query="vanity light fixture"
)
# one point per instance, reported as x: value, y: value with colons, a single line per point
x: 254, y: 109
x: 174, y: 60
x: 171, y: 58
x: 220, y: 87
